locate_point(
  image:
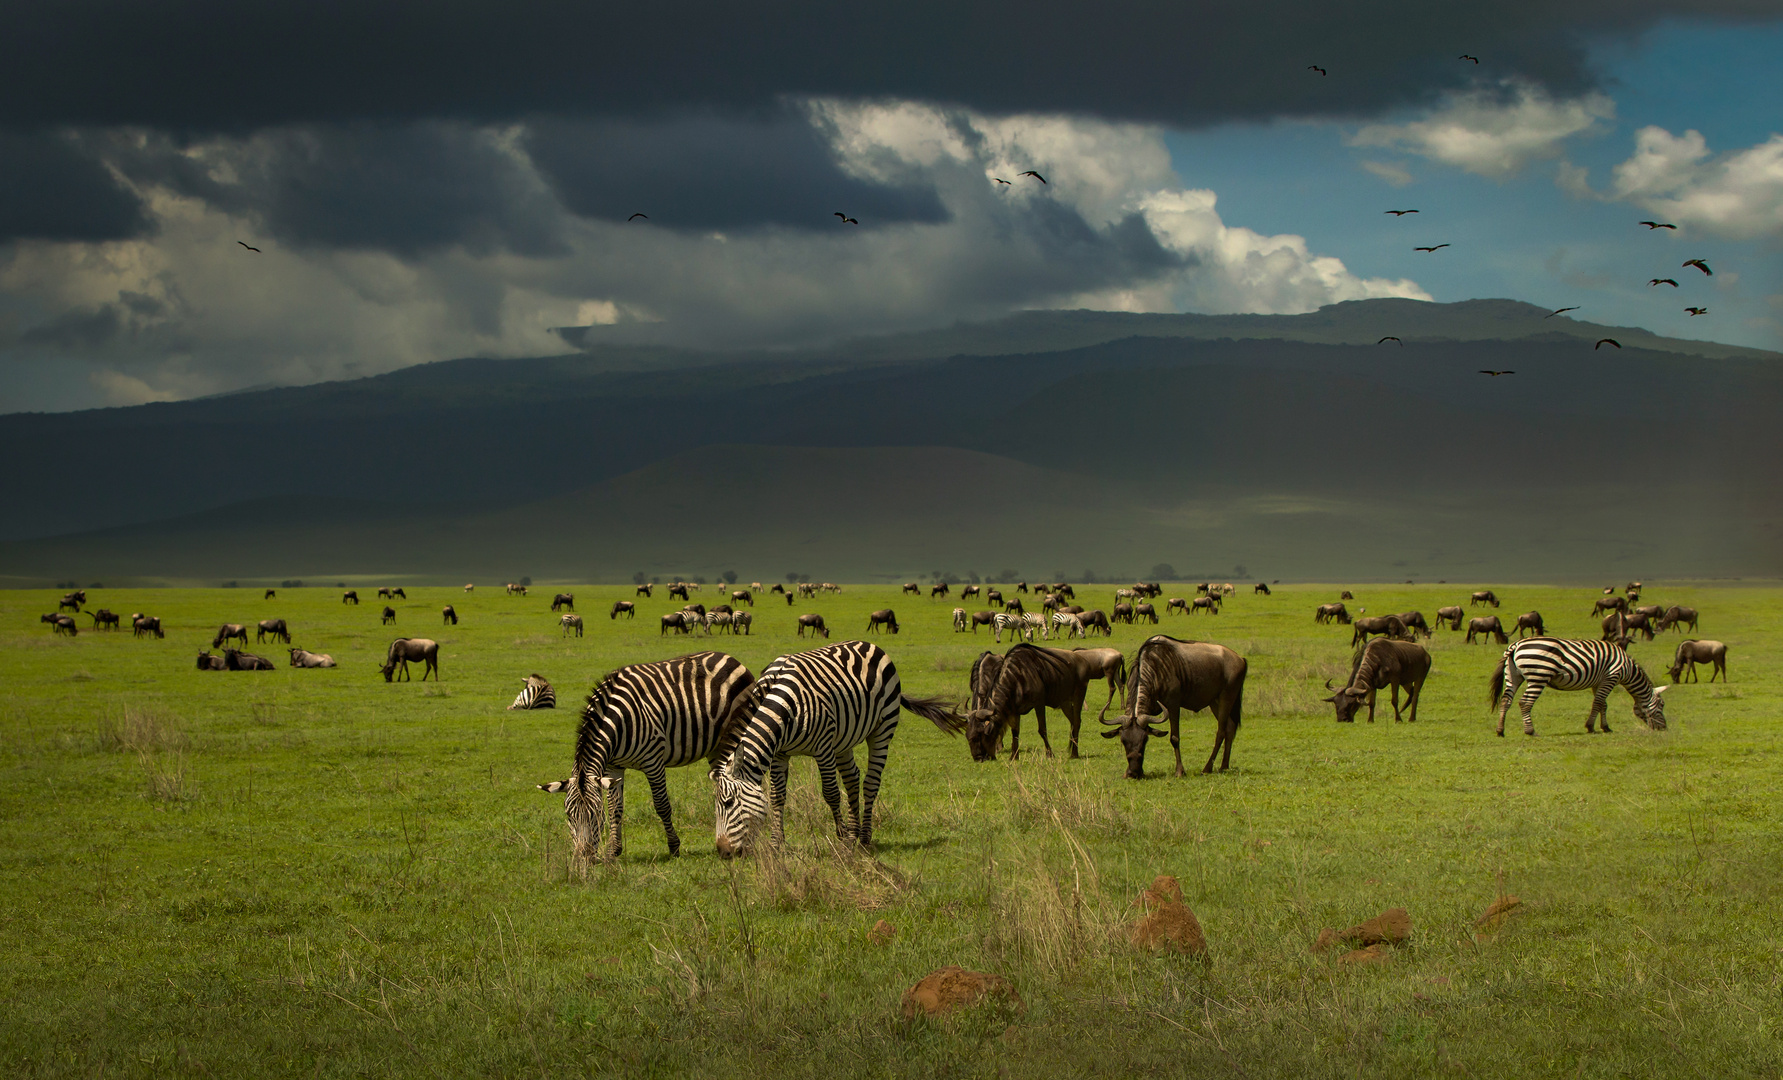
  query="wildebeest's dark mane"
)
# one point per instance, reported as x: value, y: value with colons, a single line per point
x: 1149, y: 647
x: 1021, y: 663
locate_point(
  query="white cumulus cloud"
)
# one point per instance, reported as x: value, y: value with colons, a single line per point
x: 1492, y: 134
x: 1736, y: 195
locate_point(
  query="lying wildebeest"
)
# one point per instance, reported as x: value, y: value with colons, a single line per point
x: 1380, y: 664
x: 237, y: 660
x: 563, y: 600
x: 209, y: 661
x: 403, y: 650
x: 623, y: 607
x: 230, y: 631
x: 909, y: 587
x: 1484, y: 596
x: 104, y: 617
x: 1451, y: 615
x: 741, y: 622
x: 938, y: 590
x: 1260, y: 588
x: 1123, y: 612
x: 959, y: 620
x: 1094, y: 620
x: 968, y: 590
x: 814, y: 623
x: 1169, y: 676
x: 274, y: 627
x: 270, y: 594
x: 1675, y: 615
x: 676, y: 621
x: 1209, y: 604
x: 1414, y: 623
x: 1608, y: 603
x: 389, y: 615
x: 61, y: 624
x: 1390, y: 625
x: 146, y: 624
x: 1532, y: 622
x: 1328, y: 613
x: 1691, y: 653
x: 1488, y: 625
x: 1033, y: 678
x: 744, y: 596
x: 1176, y: 605
x: 306, y: 659
x: 1145, y: 611
x: 351, y: 596
x: 1346, y: 595
x: 887, y: 618
x: 448, y: 616
x: 677, y: 590
x: 644, y: 590
x: 570, y: 622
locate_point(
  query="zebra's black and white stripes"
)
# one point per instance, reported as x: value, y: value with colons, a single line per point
x: 1570, y: 664
x: 535, y: 694
x: 820, y: 704
x: 649, y: 717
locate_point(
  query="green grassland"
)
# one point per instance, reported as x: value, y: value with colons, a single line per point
x: 317, y: 873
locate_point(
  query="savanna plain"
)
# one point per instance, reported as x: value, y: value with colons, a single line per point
x: 318, y: 873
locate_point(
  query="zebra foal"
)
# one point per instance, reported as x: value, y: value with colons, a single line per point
x: 1570, y: 664
x: 649, y: 717
x: 820, y: 704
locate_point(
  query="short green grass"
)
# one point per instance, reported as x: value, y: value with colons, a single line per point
x: 315, y: 873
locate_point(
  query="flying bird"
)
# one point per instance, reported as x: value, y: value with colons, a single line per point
x: 1695, y: 311
x: 1651, y: 225
x: 1388, y: 338
x: 1317, y: 68
x: 635, y: 217
x: 1464, y: 56
x: 247, y: 245
x: 1601, y: 342
x: 1700, y: 265
x: 1438, y: 247
x: 1035, y: 175
x: 846, y: 220
x: 1399, y: 213
x: 999, y: 180
x: 1662, y: 281
x: 1495, y: 374
x: 1557, y: 311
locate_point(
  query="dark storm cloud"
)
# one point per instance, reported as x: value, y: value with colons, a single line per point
x: 222, y: 64
x: 52, y: 188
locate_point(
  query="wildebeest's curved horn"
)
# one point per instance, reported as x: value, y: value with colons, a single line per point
x: 1328, y: 686
x: 1115, y: 722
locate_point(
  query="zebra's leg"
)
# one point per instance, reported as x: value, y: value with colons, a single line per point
x: 832, y: 795
x: 851, y: 783
x: 877, y: 750
x: 613, y: 794
x: 1532, y: 689
x: 1600, y: 706
x: 777, y: 777
x: 658, y: 775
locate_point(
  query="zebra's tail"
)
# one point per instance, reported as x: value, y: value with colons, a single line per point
x: 936, y: 710
x: 1495, y: 681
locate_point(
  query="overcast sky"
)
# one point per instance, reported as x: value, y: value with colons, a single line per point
x: 429, y: 181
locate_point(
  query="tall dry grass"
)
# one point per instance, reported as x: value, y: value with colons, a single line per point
x: 158, y: 742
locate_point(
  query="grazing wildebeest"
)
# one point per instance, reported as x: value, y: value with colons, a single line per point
x: 1168, y: 676
x: 1203, y: 588
x: 1637, y: 622
x: 741, y: 622
x: 912, y: 588
x: 1414, y: 623
x: 448, y: 616
x: 744, y: 596
x: 515, y: 590
x: 1488, y: 625
x: 807, y: 588
x: 1390, y: 625
x: 1209, y: 604
x: 885, y: 617
x: 1094, y: 620
x: 270, y: 594
x: 1123, y: 612
x: 1451, y: 615
x: 209, y: 661
x: 61, y: 624
x: 1346, y: 595
x: 383, y: 594
x: 623, y: 607
x: 991, y: 596
x: 644, y: 590
x: 674, y: 620
x: 1033, y: 678
x: 1634, y: 586
x: 403, y: 650
x: 1260, y: 587
x: 1615, y: 628
x: 1065, y: 591
x: 570, y: 622
x: 938, y: 590
x: 982, y: 680
x: 1574, y: 665
x: 275, y: 627
x: 1692, y: 652
x: 814, y: 623
x: 1125, y: 594
x: 959, y: 620
x: 141, y: 624
x: 981, y: 618
x: 237, y: 660
x: 779, y: 588
x: 1328, y: 613
x: 469, y: 588
x: 1176, y: 605
x: 1146, y: 611
x: 351, y: 596
x: 1651, y: 611
x: 1380, y: 664
x: 228, y: 631
x: 389, y: 615
x: 1532, y: 622
x: 1484, y: 596
x: 69, y: 601
x: 677, y: 590
x: 563, y: 599
x: 1608, y: 603
x: 305, y: 659
x: 1675, y: 615
x: 106, y: 618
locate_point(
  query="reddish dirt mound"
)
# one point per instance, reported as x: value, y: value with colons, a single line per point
x: 945, y: 989
x: 1374, y: 954
x: 1390, y: 927
x: 1168, y: 924
x: 1496, y: 914
x: 882, y: 933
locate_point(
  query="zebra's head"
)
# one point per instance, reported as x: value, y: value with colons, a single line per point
x: 583, y: 810
x: 739, y: 807
x: 1653, y: 714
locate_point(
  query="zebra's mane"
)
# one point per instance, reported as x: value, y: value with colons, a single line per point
x: 741, y: 712
x: 588, y: 729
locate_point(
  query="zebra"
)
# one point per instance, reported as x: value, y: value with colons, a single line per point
x: 1068, y: 624
x: 535, y: 693
x: 1571, y: 664
x: 1015, y: 624
x: 570, y: 622
x: 1032, y: 622
x: 959, y: 620
x: 819, y: 704
x: 720, y: 619
x: 650, y: 717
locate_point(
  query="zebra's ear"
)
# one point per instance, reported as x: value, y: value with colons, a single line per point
x: 1658, y: 690
x: 555, y: 785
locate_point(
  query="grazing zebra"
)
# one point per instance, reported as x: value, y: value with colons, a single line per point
x: 720, y: 619
x: 535, y: 693
x: 959, y: 620
x: 741, y: 621
x: 819, y: 704
x: 1068, y: 624
x: 571, y: 622
x: 1032, y: 622
x: 1015, y: 624
x: 649, y: 717
x: 1570, y: 664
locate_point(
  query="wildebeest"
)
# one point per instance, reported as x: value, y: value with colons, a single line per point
x: 563, y: 600
x: 270, y: 594
x: 209, y: 661
x: 1634, y: 586
x: 1094, y: 620
x: 623, y: 607
x: 644, y: 590
x: 1378, y: 664
x: 1414, y: 623
x: 1260, y: 587
x: 1484, y: 596
x: 1145, y: 611
x: 61, y: 624
x: 1638, y: 623
x: 1176, y: 605
x: 698, y: 610
x: 1390, y: 625
x: 141, y: 624
x: 778, y: 588
x: 403, y: 650
x: 570, y: 622
x: 104, y: 617
x: 1168, y: 676
x: 1615, y: 628
x: 237, y: 660
x: 1651, y: 611
x: 991, y: 596
x: 399, y: 594
x: 1033, y: 678
x: 885, y: 617
x: 69, y: 602
x: 1329, y: 613
x: 469, y: 588
x: 1065, y: 591
x: 1123, y: 612
x: 982, y: 679
x: 351, y: 596
x: 1532, y: 622
x: 515, y: 590
x: 274, y: 627
x: 1691, y: 653
x: 1014, y: 607
x: 939, y: 589
x: 1021, y: 586
x: 305, y: 659
x: 1451, y: 615
x: 968, y: 590
x: 677, y: 590
x: 911, y: 587
x: 1675, y: 616
x: 1346, y: 595
x: 383, y: 594
x: 1488, y: 625
x: 814, y: 623
x: 1209, y: 604
x: 676, y: 621
x: 1608, y: 603
x: 230, y: 631
x: 449, y: 616
x: 744, y: 596
x: 389, y: 615
x: 741, y: 622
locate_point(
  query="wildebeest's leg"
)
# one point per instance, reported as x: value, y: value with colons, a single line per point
x: 1073, y: 711
x: 613, y: 794
x: 832, y: 795
x: 1371, y: 693
x: 851, y: 783
x: 777, y: 777
x: 1040, y: 723
x: 1412, y: 696
x: 1110, y: 700
x: 1175, y: 715
x: 658, y: 776
x: 1393, y: 690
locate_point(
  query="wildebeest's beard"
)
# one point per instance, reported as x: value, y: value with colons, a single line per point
x: 1345, y: 700
x: 984, y: 729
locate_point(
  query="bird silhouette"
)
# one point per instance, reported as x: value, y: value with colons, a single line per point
x: 846, y: 220
x: 1495, y: 374
x: 1700, y: 265
x: 999, y: 180
x: 1695, y: 311
x: 635, y: 217
x: 1438, y: 247
x: 1601, y: 342
x: 1663, y: 281
x: 841, y: 215
x: 1399, y: 213
x: 1035, y: 175
x: 1464, y: 56
x: 1651, y: 225
x: 1317, y: 68
x: 247, y: 245
x: 1388, y: 338
x: 1557, y: 311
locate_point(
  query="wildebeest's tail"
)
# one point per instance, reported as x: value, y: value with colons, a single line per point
x: 1238, y: 708
x: 1495, y: 681
x: 936, y: 710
